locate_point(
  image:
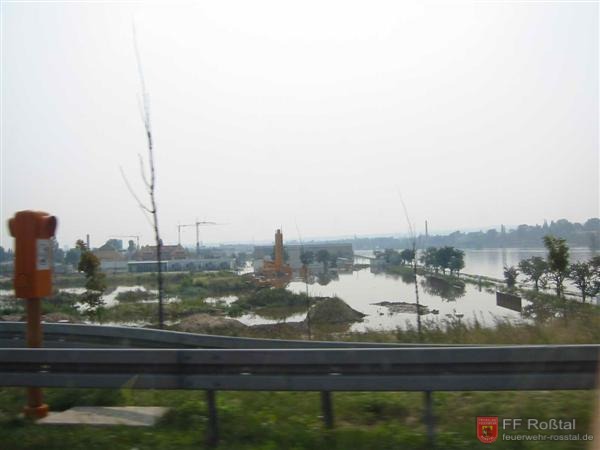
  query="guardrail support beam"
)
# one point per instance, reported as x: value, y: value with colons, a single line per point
x: 327, y: 408
x: 429, y: 419
x: 212, y: 431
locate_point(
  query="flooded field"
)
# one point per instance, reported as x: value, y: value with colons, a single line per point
x: 363, y: 288
x: 388, y: 301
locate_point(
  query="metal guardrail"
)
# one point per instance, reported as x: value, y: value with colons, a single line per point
x: 229, y: 363
x: 58, y: 335
x: 414, y: 369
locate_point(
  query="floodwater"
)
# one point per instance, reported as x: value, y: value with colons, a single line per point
x: 110, y: 299
x: 490, y: 262
x: 362, y: 288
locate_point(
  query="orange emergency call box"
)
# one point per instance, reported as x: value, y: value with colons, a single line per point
x: 33, y: 231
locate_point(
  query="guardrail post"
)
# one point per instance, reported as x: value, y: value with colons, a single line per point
x: 212, y: 431
x: 429, y: 419
x: 327, y: 409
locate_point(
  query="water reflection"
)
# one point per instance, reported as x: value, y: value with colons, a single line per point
x: 324, y: 278
x: 406, y: 277
x: 281, y: 313
x: 363, y: 289
x: 442, y: 288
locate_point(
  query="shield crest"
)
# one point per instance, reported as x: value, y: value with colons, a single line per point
x: 487, y: 429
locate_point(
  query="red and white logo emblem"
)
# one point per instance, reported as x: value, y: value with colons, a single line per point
x: 487, y: 429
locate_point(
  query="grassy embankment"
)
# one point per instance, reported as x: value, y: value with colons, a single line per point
x: 277, y: 420
x: 460, y: 280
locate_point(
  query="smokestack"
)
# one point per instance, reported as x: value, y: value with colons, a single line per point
x: 87, y: 241
x: 278, y: 250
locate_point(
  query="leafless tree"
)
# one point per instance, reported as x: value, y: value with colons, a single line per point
x: 150, y: 212
x: 308, y: 302
x: 413, y: 238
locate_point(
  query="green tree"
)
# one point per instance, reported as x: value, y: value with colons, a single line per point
x: 534, y: 269
x: 392, y: 257
x: 73, y: 256
x: 131, y: 247
x: 443, y: 257
x: 558, y: 261
x: 583, y: 277
x: 429, y: 258
x: 407, y: 255
x: 95, y: 283
x: 333, y: 259
x: 58, y: 255
x: 457, y: 261
x: 510, y: 276
x: 595, y: 266
x: 89, y: 263
x: 323, y: 257
x: 307, y: 257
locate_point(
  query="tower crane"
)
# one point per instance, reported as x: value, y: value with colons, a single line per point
x: 179, y: 227
x: 197, y: 224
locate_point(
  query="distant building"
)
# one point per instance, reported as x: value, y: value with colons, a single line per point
x: 183, y: 265
x: 264, y: 253
x: 168, y: 252
x: 186, y: 265
x: 111, y: 260
x: 113, y: 266
x: 7, y: 268
x: 146, y: 266
x: 109, y: 254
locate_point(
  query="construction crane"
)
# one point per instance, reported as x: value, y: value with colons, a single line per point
x: 196, y: 224
x: 137, y: 238
x: 179, y: 227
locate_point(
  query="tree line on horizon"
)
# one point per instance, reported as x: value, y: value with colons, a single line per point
x: 586, y: 234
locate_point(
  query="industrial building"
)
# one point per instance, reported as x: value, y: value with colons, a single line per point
x: 292, y: 253
x: 182, y: 265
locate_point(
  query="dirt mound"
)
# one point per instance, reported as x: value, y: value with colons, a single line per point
x: 333, y: 310
x: 205, y: 323
x: 13, y: 318
x: 59, y: 318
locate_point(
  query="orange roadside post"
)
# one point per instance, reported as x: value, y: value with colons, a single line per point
x: 32, y: 231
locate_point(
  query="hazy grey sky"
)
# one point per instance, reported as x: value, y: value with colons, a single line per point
x: 268, y: 114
